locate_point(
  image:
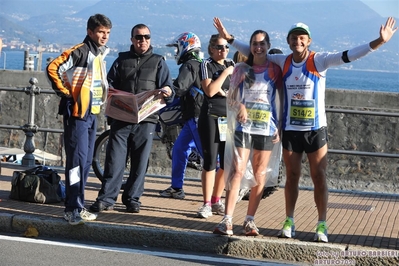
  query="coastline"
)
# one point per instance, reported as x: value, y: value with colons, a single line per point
x: 167, y: 57
x: 366, y: 70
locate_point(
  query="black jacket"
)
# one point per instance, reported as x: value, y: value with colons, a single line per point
x: 136, y: 73
x: 187, y: 86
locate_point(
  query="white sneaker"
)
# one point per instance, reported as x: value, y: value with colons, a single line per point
x: 288, y: 230
x: 250, y: 229
x: 73, y: 218
x: 225, y: 227
x: 87, y: 216
x: 321, y: 233
x: 218, y: 208
x: 205, y: 211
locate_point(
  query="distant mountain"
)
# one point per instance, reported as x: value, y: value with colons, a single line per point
x: 335, y: 25
x: 13, y: 31
x: 25, y: 9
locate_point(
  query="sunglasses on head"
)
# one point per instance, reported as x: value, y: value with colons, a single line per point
x: 142, y: 37
x: 221, y: 46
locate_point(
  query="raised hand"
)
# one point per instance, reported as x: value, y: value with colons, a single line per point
x: 387, y: 31
x: 221, y: 29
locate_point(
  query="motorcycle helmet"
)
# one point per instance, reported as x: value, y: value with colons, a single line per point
x: 184, y: 43
x: 275, y: 51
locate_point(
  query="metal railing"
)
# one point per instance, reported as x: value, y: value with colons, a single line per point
x: 31, y: 128
x: 4, y: 59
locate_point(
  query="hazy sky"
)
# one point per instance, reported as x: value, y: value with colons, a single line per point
x: 385, y: 8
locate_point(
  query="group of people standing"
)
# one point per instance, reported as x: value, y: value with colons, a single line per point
x: 241, y: 113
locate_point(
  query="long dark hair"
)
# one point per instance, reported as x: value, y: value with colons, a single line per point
x: 250, y: 60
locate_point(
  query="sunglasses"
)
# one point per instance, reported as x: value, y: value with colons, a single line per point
x: 142, y: 37
x: 221, y: 46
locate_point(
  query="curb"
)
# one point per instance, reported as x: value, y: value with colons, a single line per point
x: 244, y: 247
x: 100, y: 232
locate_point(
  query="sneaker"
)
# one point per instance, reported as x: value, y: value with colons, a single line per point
x: 250, y: 228
x: 73, y: 218
x: 242, y: 193
x: 225, y: 227
x: 321, y: 233
x: 172, y: 193
x: 288, y: 230
x: 87, y: 216
x: 218, y: 208
x: 205, y: 211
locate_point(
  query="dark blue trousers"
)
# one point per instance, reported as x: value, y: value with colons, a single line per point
x: 139, y: 137
x: 79, y: 139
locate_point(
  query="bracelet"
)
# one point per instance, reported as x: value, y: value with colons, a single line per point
x: 231, y: 40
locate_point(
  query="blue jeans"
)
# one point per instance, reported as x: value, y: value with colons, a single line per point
x: 140, y: 137
x: 182, y: 149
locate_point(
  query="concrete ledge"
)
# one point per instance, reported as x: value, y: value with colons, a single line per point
x: 121, y: 234
x: 6, y: 222
x: 246, y: 247
x: 362, y: 99
x: 279, y: 249
x: 20, y: 78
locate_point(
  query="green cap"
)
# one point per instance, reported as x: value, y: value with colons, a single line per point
x: 300, y: 27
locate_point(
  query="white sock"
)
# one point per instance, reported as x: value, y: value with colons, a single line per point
x: 228, y: 217
x: 249, y: 218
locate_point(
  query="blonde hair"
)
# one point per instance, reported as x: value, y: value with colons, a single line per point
x: 239, y: 57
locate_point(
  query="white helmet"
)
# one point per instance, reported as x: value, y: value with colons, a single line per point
x: 185, y: 42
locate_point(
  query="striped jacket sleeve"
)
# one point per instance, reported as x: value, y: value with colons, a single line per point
x: 57, y: 71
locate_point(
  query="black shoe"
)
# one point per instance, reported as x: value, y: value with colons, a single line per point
x: 99, y: 207
x: 133, y: 208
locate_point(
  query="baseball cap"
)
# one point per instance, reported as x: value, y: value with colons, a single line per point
x: 300, y: 27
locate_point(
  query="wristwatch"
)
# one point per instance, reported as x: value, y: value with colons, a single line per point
x: 231, y: 40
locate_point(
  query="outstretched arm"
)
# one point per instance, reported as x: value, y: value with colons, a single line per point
x: 386, y: 33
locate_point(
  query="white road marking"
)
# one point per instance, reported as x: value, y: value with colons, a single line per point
x: 144, y: 252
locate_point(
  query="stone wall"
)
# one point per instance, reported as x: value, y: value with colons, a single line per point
x: 350, y: 132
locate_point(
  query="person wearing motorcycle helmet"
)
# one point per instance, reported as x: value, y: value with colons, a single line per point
x: 187, y: 44
x: 188, y: 88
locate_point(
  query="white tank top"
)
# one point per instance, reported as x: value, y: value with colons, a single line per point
x: 305, y: 93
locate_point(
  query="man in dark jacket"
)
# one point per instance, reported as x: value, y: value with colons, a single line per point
x: 187, y: 86
x: 135, y: 71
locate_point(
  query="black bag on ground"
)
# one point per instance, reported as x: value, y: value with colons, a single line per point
x: 38, y: 185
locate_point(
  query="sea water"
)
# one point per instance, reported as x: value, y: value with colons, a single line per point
x: 336, y: 78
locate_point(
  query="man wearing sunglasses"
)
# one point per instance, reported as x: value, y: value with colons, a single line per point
x: 134, y: 71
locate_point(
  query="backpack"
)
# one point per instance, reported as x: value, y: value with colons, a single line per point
x: 191, y: 102
x: 39, y: 185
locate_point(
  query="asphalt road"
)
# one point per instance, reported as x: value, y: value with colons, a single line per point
x: 17, y: 250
